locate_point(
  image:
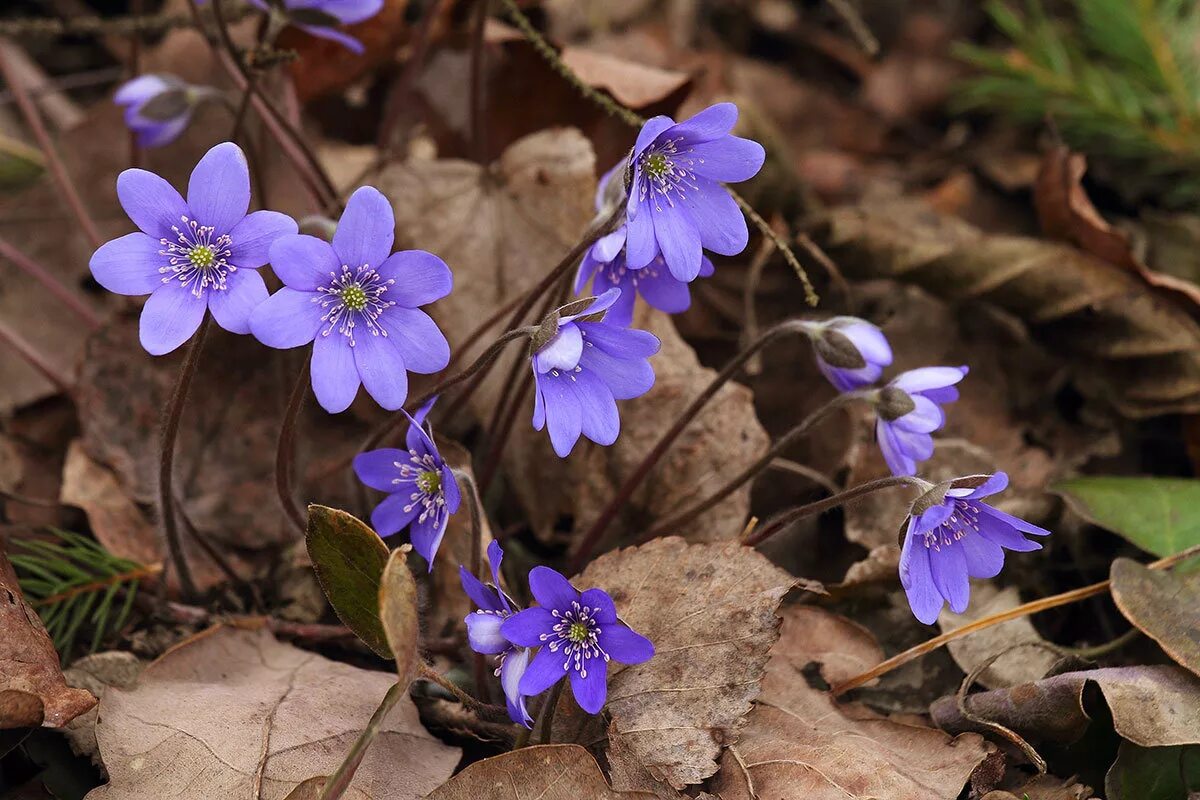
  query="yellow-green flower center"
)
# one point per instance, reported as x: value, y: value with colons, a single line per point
x: 429, y: 481
x: 578, y: 632
x: 657, y: 165
x: 354, y: 298
x: 202, y: 256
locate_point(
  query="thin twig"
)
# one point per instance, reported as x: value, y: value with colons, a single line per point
x: 34, y: 358
x: 857, y: 27
x: 478, y: 131
x: 56, y: 287
x: 819, y: 506
x: 285, y: 452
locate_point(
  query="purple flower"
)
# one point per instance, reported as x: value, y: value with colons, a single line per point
x: 578, y: 634
x: 318, y: 17
x: 422, y: 491
x: 851, y: 352
x: 583, y: 369
x: 952, y: 537
x: 202, y: 254
x: 159, y: 107
x: 359, y: 305
x: 677, y: 205
x: 483, y: 633
x: 909, y: 409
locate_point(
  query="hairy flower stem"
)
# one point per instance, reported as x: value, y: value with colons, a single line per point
x: 783, y: 520
x: 677, y: 521
x: 59, y: 172
x: 339, y: 781
x: 56, y: 287
x: 476, y: 505
x: 1033, y: 607
x: 285, y: 453
x: 593, y: 535
x: 547, y: 715
x: 170, y: 432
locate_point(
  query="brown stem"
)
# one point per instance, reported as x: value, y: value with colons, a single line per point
x: 819, y: 506
x: 285, y: 453
x: 339, y: 781
x: 547, y: 715
x: 1033, y: 607
x: 478, y: 132
x: 593, y: 535
x: 35, y: 359
x: 56, y: 287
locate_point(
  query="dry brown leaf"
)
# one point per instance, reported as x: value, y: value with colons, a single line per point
x: 96, y: 673
x: 235, y: 713
x: 545, y: 772
x: 1022, y: 665
x: 634, y: 85
x: 711, y: 612
x: 32, y: 689
x: 1163, y: 605
x: 501, y: 228
x: 399, y: 615
x: 801, y: 744
x: 1044, y: 787
x: 1129, y: 345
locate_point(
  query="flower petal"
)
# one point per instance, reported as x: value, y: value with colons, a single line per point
x: 677, y: 237
x: 998, y: 520
x: 728, y: 159
x: 551, y: 589
x: 589, y: 684
x: 609, y: 246
x: 526, y: 628
x: 377, y: 468
x: 304, y: 262
x: 620, y: 342
x: 393, y: 515
x: 335, y: 378
x: 547, y: 668
x: 984, y: 557
x: 640, y: 247
x: 381, y: 369
x: 600, y: 421
x: 253, y: 236
x: 649, y: 132
x: 562, y: 352
x: 157, y: 134
x: 451, y: 494
x: 603, y: 609
x: 949, y: 569
x: 418, y: 338
x: 169, y: 318
x: 219, y: 189
x: 334, y: 35
x: 661, y: 289
x: 152, y: 203
x: 997, y: 483
x: 868, y: 338
x: 420, y: 278
x: 287, y: 319
x: 351, y: 11
x: 426, y: 535
x: 514, y: 666
x: 244, y: 291
x: 716, y: 215
x: 712, y: 123
x: 625, y: 378
x: 625, y: 645
x: 483, y: 596
x: 366, y: 230
x: 563, y: 414
x: 483, y: 633
x: 140, y: 89
x: 897, y: 460
x: 129, y: 264
x: 917, y: 580
x: 926, y: 378
x: 925, y: 417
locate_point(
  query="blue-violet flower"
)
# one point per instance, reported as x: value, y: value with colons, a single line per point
x: 578, y: 634
x: 483, y: 633
x: 319, y: 17
x: 583, y: 369
x: 159, y: 107
x: 851, y: 352
x: 193, y: 256
x: 677, y: 205
x: 359, y: 306
x: 951, y: 537
x: 422, y: 490
x: 908, y: 410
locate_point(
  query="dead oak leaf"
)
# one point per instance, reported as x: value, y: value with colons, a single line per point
x: 801, y: 744
x: 1163, y: 605
x: 235, y: 713
x: 545, y: 772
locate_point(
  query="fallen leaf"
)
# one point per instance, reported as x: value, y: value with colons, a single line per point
x: 32, y: 689
x: 801, y: 744
x: 349, y: 559
x: 710, y: 610
x: 1163, y: 605
x: 1151, y: 706
x: 1153, y: 773
x: 1159, y: 515
x: 544, y: 772
x: 1044, y: 787
x: 399, y: 615
x: 235, y: 713
x: 1023, y: 665
x: 501, y: 228
x: 97, y: 672
x: 634, y: 85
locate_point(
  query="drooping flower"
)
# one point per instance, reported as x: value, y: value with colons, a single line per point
x: 422, y: 490
x: 321, y: 17
x: 483, y: 633
x: 908, y: 410
x: 159, y: 107
x: 582, y: 369
x: 677, y: 205
x: 952, y: 536
x: 359, y: 305
x: 194, y: 256
x: 851, y: 352
x: 578, y: 633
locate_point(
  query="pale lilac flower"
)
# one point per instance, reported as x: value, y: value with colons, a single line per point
x: 851, y: 352
x: 359, y: 304
x: 677, y: 205
x: 422, y: 490
x: 320, y: 17
x: 952, y: 536
x: 583, y: 369
x: 159, y: 107
x: 194, y: 256
x: 483, y: 633
x: 908, y: 410
x: 578, y: 634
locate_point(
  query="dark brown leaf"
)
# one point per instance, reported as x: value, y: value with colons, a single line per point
x: 1163, y: 605
x: 545, y: 772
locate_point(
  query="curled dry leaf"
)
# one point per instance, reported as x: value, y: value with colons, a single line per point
x: 545, y: 772
x: 801, y: 744
x: 1022, y: 665
x: 1151, y: 706
x: 235, y: 713
x: 1046, y: 787
x: 32, y: 689
x: 1134, y: 348
x: 1163, y: 605
x: 505, y: 226
x: 349, y: 560
x: 710, y: 610
x: 399, y: 615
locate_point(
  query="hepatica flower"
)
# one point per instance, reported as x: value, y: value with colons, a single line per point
x: 851, y: 352
x: 581, y: 371
x: 677, y: 205
x: 422, y: 491
x: 359, y: 304
x: 321, y: 17
x: 953, y: 536
x: 159, y: 107
x: 909, y: 409
x: 193, y: 256
x: 578, y: 633
x: 484, y: 636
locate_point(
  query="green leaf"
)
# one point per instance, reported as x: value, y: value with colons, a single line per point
x: 1153, y: 773
x: 349, y: 559
x: 1159, y: 515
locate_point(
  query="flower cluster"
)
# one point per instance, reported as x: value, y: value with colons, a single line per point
x: 577, y: 634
